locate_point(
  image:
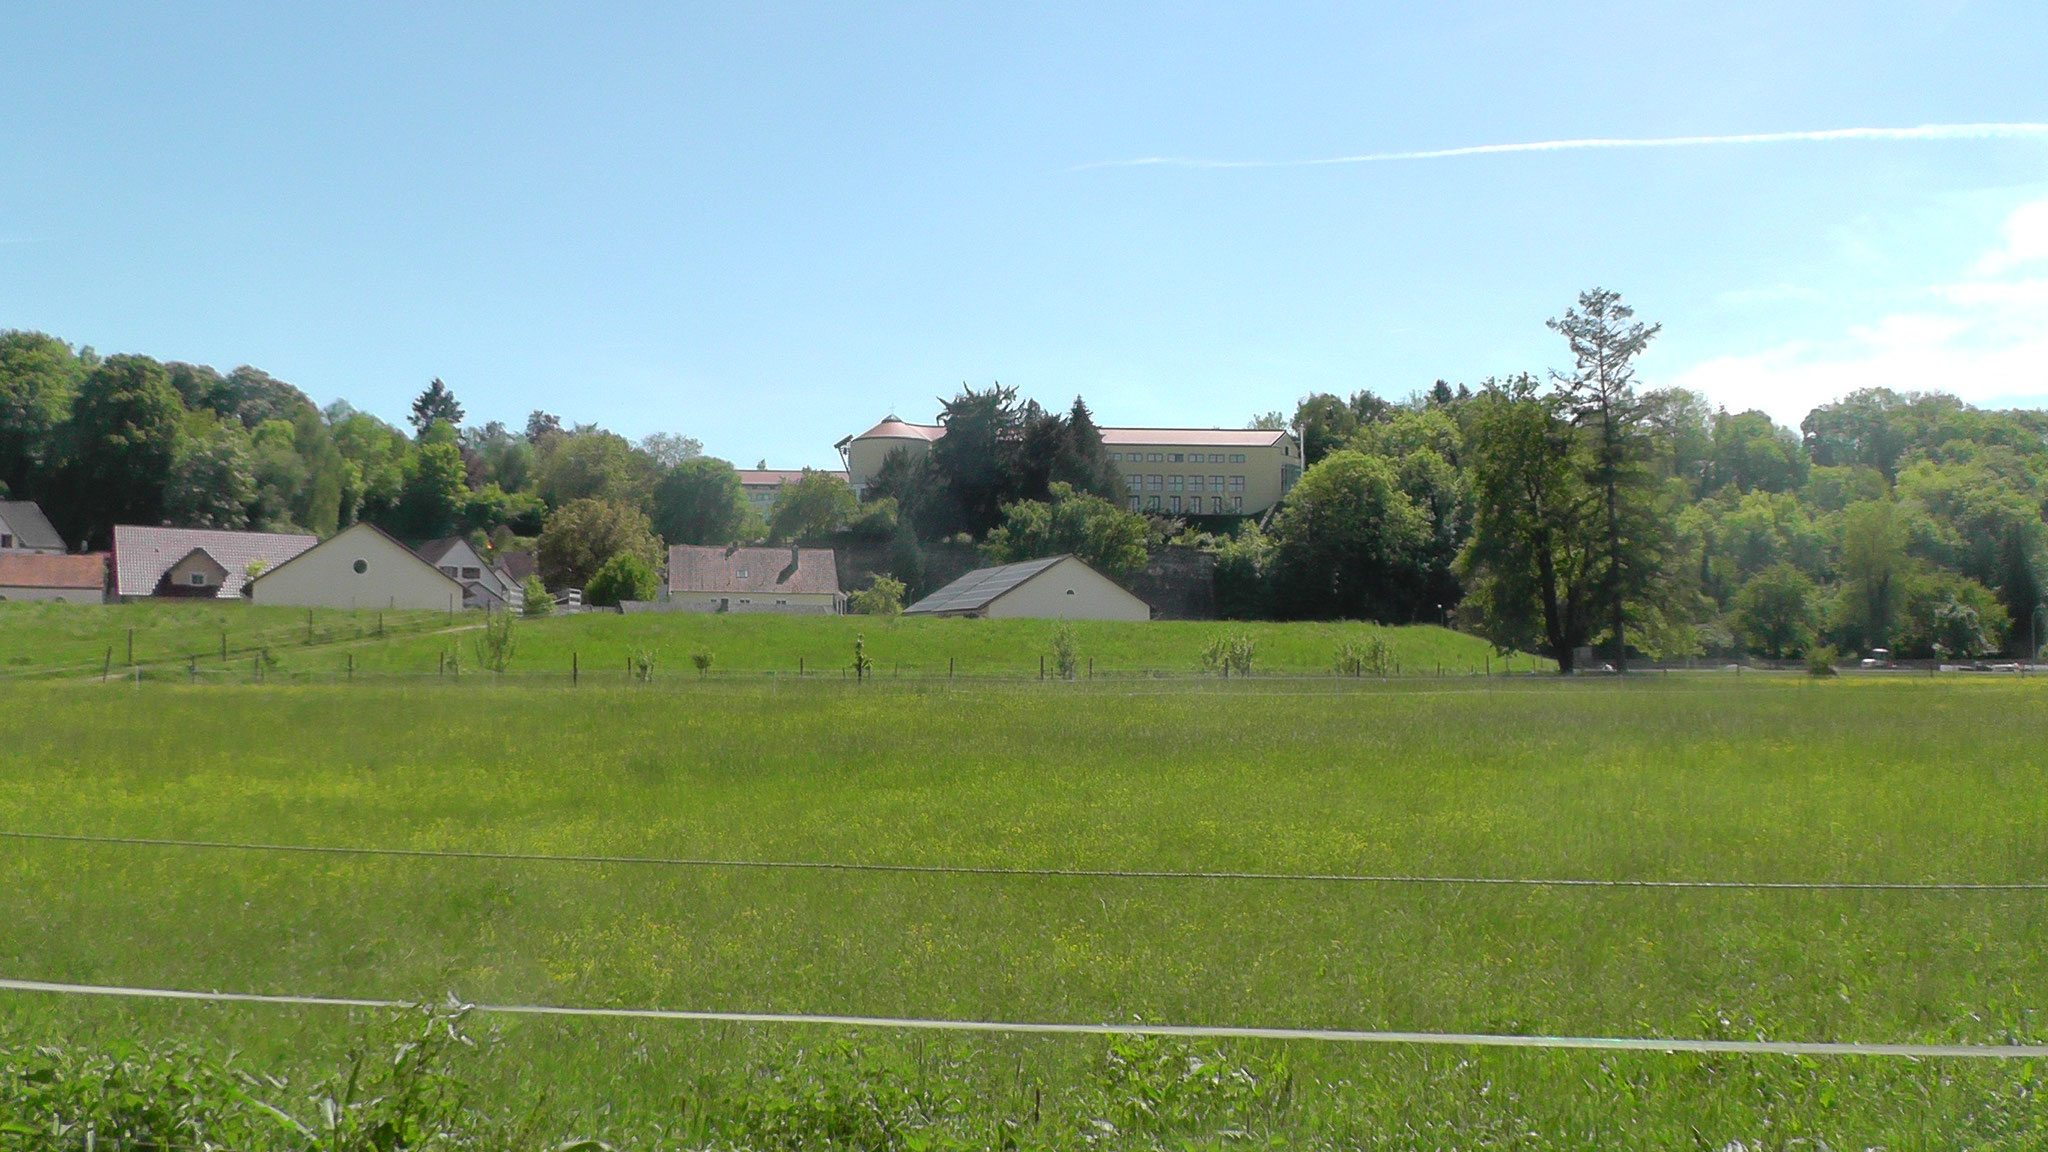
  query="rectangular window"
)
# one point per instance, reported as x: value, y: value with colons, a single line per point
x: 1174, y: 502
x: 742, y: 574
x: 1134, y: 503
x: 1115, y: 456
x: 1237, y: 457
x: 1237, y: 483
x: 1154, y: 502
x: 197, y: 579
x: 1173, y: 457
x: 1237, y: 503
x: 447, y: 569
x: 1173, y: 483
x: 1216, y: 504
x: 782, y: 601
x: 1194, y: 483
x: 1153, y: 458
x: 1133, y: 482
x: 1216, y: 482
x: 6, y: 541
x: 1215, y: 457
x: 1155, y: 483
x: 472, y: 573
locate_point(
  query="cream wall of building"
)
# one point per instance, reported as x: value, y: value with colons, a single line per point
x: 864, y: 456
x: 1247, y: 479
x: 55, y: 595
x: 1069, y: 590
x: 201, y: 565
x: 325, y: 576
x: 795, y: 603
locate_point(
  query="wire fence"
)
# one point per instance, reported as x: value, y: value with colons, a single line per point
x: 1662, y: 1044
x: 1031, y: 873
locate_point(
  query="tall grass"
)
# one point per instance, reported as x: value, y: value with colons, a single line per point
x: 1686, y: 779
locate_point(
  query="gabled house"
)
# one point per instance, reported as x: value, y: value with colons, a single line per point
x: 1052, y: 588
x: 79, y: 579
x: 793, y: 580
x: 484, y: 585
x: 359, y: 567
x: 24, y: 528
x: 210, y: 563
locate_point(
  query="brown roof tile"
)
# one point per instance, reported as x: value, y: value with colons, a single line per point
x: 33, y: 570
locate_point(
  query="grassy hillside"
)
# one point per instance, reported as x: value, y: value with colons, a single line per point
x: 1900, y: 780
x: 602, y: 642
x: 40, y: 638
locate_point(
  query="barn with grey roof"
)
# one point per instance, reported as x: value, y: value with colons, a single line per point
x: 1052, y: 588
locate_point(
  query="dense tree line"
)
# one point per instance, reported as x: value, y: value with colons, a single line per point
x: 100, y: 441
x: 1583, y: 512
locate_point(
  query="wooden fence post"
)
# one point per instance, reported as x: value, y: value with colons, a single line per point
x: 107, y: 666
x: 575, y: 673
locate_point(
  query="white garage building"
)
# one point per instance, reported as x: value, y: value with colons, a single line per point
x: 358, y: 567
x: 1054, y: 588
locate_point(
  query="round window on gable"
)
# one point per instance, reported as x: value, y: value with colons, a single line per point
x: 361, y: 566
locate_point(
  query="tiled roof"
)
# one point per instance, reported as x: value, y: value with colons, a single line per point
x: 895, y: 429
x: 977, y: 589
x: 31, y: 570
x: 758, y: 477
x: 143, y: 555
x: 432, y: 550
x: 30, y: 527
x: 1233, y: 437
x: 694, y: 568
x: 518, y: 565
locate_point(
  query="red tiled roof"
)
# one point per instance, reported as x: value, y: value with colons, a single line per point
x: 694, y: 568
x: 34, y: 570
x: 143, y: 555
x: 763, y: 477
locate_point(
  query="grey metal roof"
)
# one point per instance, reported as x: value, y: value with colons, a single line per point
x: 976, y: 590
x: 30, y: 527
x: 142, y: 555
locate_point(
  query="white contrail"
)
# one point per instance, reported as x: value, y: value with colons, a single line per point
x: 1923, y: 132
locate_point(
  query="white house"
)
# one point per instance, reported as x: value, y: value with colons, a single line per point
x: 211, y: 563
x: 713, y: 579
x: 359, y: 567
x: 1054, y: 588
x: 483, y: 585
x: 24, y: 528
x: 78, y: 579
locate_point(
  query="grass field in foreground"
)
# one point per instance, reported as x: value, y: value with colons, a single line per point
x: 911, y: 646
x: 1676, y: 778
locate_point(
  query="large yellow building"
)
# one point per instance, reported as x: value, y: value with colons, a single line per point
x: 1193, y: 471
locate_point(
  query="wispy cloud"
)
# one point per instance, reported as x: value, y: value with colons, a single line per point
x: 1984, y: 338
x: 2018, y: 131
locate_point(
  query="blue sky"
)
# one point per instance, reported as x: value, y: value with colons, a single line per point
x: 767, y: 225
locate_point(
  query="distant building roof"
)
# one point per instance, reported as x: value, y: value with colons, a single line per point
x: 894, y: 429
x: 1233, y: 437
x: 774, y: 477
x: 31, y: 528
x: 432, y: 550
x: 518, y: 565
x: 143, y: 555
x: 696, y: 568
x: 34, y: 570
x: 976, y: 590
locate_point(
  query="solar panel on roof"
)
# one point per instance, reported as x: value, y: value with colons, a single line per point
x: 978, y: 588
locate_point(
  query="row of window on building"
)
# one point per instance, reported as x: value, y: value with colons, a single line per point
x: 1155, y: 483
x: 1194, y: 505
x: 1175, y: 458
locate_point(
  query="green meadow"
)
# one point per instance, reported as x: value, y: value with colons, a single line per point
x: 38, y: 639
x: 1654, y: 778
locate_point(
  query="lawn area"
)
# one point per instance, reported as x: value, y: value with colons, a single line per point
x: 45, y: 638
x: 761, y: 643
x: 1666, y: 778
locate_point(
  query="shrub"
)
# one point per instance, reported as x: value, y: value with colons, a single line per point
x: 1066, y: 651
x: 702, y: 662
x: 643, y: 666
x: 537, y: 601
x: 1228, y: 653
x: 496, y: 643
x: 1820, y: 660
x: 1372, y: 656
x: 623, y: 577
x: 882, y: 597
